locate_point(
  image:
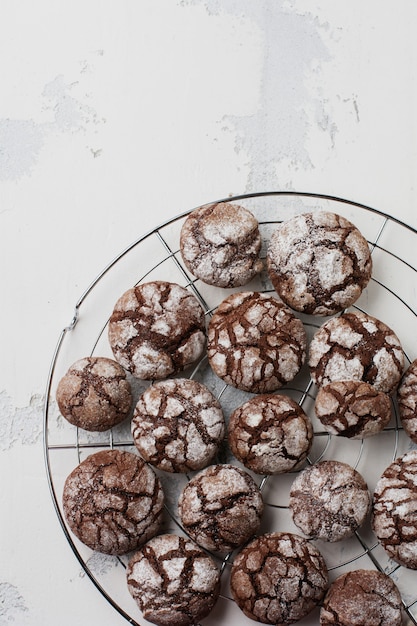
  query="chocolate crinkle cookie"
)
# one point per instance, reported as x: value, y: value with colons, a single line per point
x: 319, y: 263
x: 220, y: 244
x: 178, y: 425
x: 173, y: 581
x: 407, y: 401
x: 362, y: 598
x: 394, y: 518
x: 270, y: 434
x: 329, y: 501
x: 94, y: 394
x: 157, y: 329
x: 113, y: 502
x: 352, y: 409
x: 278, y: 578
x: 221, y: 508
x: 255, y: 342
x: 356, y: 346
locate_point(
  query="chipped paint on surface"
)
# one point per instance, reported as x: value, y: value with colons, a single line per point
x: 12, y: 604
x: 20, y: 425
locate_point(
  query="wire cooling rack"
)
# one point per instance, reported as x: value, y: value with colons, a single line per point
x: 390, y: 296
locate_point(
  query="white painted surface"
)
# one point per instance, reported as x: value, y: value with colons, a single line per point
x: 116, y: 116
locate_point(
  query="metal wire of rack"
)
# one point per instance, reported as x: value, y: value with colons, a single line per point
x: 391, y: 296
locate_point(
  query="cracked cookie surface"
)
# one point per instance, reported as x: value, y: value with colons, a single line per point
x: 157, y: 329
x: 270, y: 434
x: 94, y: 394
x: 221, y: 508
x: 278, y: 578
x: 255, y: 342
x: 220, y: 244
x: 178, y: 425
x: 173, y: 581
x: 407, y: 401
x: 319, y: 263
x: 113, y: 501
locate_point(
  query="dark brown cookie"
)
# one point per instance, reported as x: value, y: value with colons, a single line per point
x: 113, y: 501
x: 157, y: 329
x: 221, y: 508
x: 329, y: 501
x: 407, y: 401
x: 94, y: 394
x: 353, y: 409
x: 178, y: 425
x: 318, y: 263
x: 255, y: 343
x: 394, y: 518
x: 362, y: 598
x: 278, y: 578
x: 220, y: 244
x: 173, y: 581
x: 356, y: 346
x: 270, y: 434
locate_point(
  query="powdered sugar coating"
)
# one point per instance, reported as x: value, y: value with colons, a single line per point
x: 278, y: 578
x: 394, y: 518
x: 221, y: 507
x: 255, y: 342
x: 362, y: 598
x: 270, y: 434
x: 178, y: 425
x: 113, y: 501
x: 94, y: 394
x: 329, y: 501
x: 173, y: 581
x: 352, y: 409
x: 157, y: 329
x: 319, y: 263
x: 407, y: 401
x: 220, y: 244
x: 356, y: 346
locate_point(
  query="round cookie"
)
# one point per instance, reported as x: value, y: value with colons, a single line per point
x: 362, y: 598
x: 220, y: 244
x: 270, y: 434
x: 173, y: 581
x: 407, y: 401
x: 221, y: 508
x: 255, y: 343
x: 113, y: 501
x: 178, y: 425
x: 94, y: 394
x: 157, y: 329
x: 278, y: 578
x: 353, y: 409
x: 329, y: 500
x: 356, y: 346
x: 318, y: 263
x: 394, y: 518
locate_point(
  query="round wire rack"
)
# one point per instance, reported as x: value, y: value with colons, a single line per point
x: 391, y: 296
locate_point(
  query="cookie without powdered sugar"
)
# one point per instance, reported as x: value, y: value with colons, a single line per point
x: 362, y: 598
x: 278, y: 578
x: 113, y: 502
x: 221, y: 508
x: 255, y: 342
x: 220, y: 244
x: 270, y: 434
x: 178, y: 425
x: 394, y: 514
x: 319, y: 263
x: 94, y: 394
x: 407, y: 401
x: 157, y: 329
x: 329, y: 501
x: 352, y: 409
x: 173, y: 581
x: 356, y: 346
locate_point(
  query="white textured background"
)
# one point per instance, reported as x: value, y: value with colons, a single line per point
x: 116, y: 115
